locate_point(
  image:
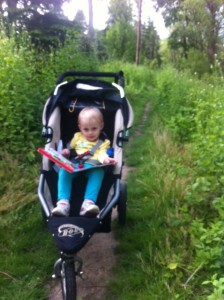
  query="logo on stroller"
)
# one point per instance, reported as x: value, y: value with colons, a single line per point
x: 69, y: 230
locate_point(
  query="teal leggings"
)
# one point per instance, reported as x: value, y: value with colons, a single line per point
x: 94, y: 181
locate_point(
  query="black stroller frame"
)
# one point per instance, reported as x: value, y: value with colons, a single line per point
x: 60, y: 112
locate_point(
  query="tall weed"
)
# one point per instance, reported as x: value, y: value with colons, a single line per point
x: 198, y: 120
x: 18, y: 183
x: 154, y: 250
x: 174, y: 231
x: 26, y: 80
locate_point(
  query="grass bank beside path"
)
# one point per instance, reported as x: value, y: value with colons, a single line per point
x: 154, y: 249
x: 172, y: 245
x: 27, y: 254
x: 151, y: 243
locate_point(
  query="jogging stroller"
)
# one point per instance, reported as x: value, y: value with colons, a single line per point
x: 59, y: 120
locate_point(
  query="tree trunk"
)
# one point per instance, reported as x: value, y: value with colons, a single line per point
x: 91, y: 29
x: 139, y: 26
x: 213, y: 33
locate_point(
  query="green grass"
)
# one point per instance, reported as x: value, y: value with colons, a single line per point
x: 152, y: 240
x: 18, y: 182
x: 27, y: 253
x: 173, y: 239
x: 172, y: 242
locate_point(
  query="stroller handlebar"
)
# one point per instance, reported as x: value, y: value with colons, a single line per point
x: 118, y: 77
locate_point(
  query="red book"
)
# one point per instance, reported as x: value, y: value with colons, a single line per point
x: 57, y: 158
x: 65, y: 163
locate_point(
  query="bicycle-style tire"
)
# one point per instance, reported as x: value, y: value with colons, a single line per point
x: 122, y: 204
x: 68, y: 280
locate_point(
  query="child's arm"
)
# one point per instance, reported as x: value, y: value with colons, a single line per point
x: 103, y: 157
x: 70, y: 152
x: 109, y: 160
x: 65, y: 152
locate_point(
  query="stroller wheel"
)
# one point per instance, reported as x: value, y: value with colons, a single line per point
x: 122, y: 203
x: 68, y: 280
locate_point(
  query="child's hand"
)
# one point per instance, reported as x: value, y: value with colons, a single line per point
x: 65, y: 152
x: 109, y: 160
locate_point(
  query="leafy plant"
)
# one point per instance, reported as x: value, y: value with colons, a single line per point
x: 218, y: 288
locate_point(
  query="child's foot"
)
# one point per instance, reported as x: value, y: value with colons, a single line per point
x: 62, y: 208
x: 89, y: 209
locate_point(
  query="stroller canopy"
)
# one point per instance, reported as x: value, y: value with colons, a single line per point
x: 81, y: 92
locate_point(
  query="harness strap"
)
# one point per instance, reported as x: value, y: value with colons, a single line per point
x: 86, y: 155
x: 95, y: 147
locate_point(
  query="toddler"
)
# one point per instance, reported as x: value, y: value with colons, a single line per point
x: 90, y: 123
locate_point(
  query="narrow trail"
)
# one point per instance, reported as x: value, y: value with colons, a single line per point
x: 98, y: 254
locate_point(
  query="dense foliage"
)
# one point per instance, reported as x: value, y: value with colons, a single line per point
x: 193, y: 112
x: 26, y: 82
x: 197, y: 32
x: 176, y: 192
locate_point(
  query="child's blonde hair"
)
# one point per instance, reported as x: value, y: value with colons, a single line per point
x: 90, y: 113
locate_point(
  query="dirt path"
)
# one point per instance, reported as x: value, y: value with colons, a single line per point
x: 98, y: 254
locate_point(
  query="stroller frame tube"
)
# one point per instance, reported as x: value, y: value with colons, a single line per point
x: 118, y: 77
x: 41, y: 196
x: 112, y: 202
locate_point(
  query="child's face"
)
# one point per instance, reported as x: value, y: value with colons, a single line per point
x: 90, y: 129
